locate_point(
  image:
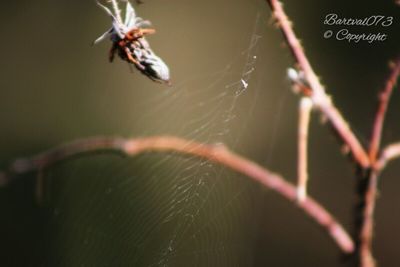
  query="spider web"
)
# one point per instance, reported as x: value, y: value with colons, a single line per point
x: 167, y: 209
x: 199, y: 182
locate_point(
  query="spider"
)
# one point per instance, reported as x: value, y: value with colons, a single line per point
x: 126, y: 46
x: 128, y: 41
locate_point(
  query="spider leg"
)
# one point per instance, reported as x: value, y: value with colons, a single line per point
x: 138, y: 33
x: 147, y: 31
x: 141, y: 23
x: 103, y: 36
x: 131, y: 59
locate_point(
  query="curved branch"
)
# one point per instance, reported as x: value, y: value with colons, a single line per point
x: 216, y: 153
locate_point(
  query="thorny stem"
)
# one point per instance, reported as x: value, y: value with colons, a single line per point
x: 369, y: 185
x: 305, y: 108
x: 389, y: 153
x: 369, y: 191
x: 384, y: 98
x: 216, y: 153
x: 367, y: 161
x: 320, y: 99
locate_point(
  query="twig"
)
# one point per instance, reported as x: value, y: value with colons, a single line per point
x: 364, y: 242
x: 216, y: 153
x: 389, y: 153
x: 384, y: 99
x: 369, y: 184
x: 319, y: 97
x: 304, y: 122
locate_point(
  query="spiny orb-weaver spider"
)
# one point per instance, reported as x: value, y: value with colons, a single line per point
x: 128, y: 41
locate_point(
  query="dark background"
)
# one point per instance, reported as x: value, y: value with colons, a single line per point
x: 167, y: 209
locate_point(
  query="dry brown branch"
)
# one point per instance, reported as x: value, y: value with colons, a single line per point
x: 305, y: 108
x: 320, y: 99
x: 216, y: 153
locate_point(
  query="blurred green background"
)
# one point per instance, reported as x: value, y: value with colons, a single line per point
x: 167, y: 209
